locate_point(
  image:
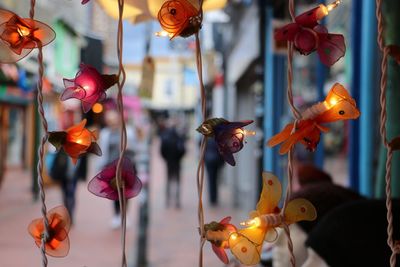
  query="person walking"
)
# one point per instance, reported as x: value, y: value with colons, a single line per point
x: 172, y: 150
x: 64, y: 172
x: 109, y: 142
x: 214, y: 163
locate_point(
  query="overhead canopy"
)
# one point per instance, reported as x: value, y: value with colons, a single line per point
x: 138, y: 11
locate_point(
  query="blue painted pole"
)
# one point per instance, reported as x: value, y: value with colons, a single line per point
x: 367, y: 104
x: 354, y: 144
x: 269, y: 163
x: 274, y: 91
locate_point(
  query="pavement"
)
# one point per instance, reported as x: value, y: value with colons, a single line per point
x: 173, y: 238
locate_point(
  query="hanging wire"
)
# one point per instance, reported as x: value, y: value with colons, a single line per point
x: 41, y: 151
x: 297, y: 116
x: 200, y: 168
x: 123, y: 139
x: 383, y: 132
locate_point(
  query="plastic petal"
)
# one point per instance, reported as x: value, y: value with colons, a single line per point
x: 287, y: 32
x: 221, y: 254
x: 270, y: 195
x: 271, y: 235
x: 299, y: 209
x: 71, y: 92
x: 244, y: 250
x: 331, y: 48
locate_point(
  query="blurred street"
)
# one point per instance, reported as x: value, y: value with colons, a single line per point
x: 173, y: 239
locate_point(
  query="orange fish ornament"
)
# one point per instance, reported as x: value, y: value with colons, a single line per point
x: 76, y: 141
x: 246, y: 244
x: 57, y: 243
x: 19, y: 36
x: 337, y: 106
x: 179, y: 17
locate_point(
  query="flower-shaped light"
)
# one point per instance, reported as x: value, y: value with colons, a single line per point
x: 89, y: 86
x: 246, y: 244
x: 76, y: 141
x: 179, y: 17
x: 57, y: 241
x: 229, y: 136
x: 19, y: 36
x: 308, y: 35
x: 338, y: 105
x: 217, y: 233
x: 104, y: 184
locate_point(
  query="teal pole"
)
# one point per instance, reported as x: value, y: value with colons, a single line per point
x: 368, y: 104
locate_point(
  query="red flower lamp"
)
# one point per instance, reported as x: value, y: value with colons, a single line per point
x: 76, y: 141
x: 19, y: 36
x: 89, y: 86
x: 104, y: 184
x: 57, y: 241
x: 307, y: 35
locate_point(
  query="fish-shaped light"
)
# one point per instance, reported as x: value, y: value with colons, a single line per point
x: 217, y: 233
x: 57, y: 242
x: 179, y: 18
x: 89, y: 86
x: 76, y: 141
x: 19, y: 36
x: 338, y: 105
x: 229, y: 136
x: 307, y: 35
x: 246, y: 244
x: 104, y: 184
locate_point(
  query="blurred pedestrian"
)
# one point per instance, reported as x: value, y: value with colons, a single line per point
x: 109, y: 142
x: 354, y: 234
x: 172, y: 150
x: 64, y: 172
x: 317, y: 187
x: 214, y: 163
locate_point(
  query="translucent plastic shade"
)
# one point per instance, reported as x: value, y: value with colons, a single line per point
x: 138, y: 11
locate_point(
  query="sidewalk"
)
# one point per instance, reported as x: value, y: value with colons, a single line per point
x: 173, y: 235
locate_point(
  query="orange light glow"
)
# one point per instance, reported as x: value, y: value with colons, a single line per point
x: 233, y: 236
x: 97, y: 108
x: 333, y: 5
x: 175, y: 15
x: 163, y: 34
x: 249, y: 133
x: 23, y: 31
x: 323, y: 10
x: 57, y: 242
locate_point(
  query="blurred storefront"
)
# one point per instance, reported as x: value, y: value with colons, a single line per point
x: 244, y: 94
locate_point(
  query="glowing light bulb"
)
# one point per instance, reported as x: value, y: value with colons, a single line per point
x: 163, y: 34
x: 256, y: 222
x: 323, y: 10
x: 23, y: 31
x: 333, y: 5
x: 233, y: 236
x: 249, y: 133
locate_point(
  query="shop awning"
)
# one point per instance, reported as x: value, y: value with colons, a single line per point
x: 138, y: 11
